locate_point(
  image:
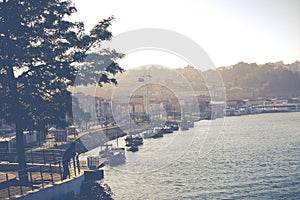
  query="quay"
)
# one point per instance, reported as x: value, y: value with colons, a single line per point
x: 45, y: 181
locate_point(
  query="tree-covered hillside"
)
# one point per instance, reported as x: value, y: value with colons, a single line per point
x: 267, y: 80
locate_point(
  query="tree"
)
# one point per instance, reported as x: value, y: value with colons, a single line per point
x: 40, y: 54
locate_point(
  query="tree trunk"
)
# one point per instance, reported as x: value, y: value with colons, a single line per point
x: 17, y: 113
x: 16, y: 110
x: 23, y: 176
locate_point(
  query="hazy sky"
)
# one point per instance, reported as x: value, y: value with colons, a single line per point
x: 229, y: 31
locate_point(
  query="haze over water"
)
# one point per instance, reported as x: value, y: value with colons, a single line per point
x: 256, y: 157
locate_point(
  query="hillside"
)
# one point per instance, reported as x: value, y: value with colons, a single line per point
x: 242, y: 80
x: 245, y: 80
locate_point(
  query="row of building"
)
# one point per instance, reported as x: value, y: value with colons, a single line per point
x: 262, y: 105
x: 105, y: 111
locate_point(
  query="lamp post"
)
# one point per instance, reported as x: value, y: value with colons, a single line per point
x: 146, y: 79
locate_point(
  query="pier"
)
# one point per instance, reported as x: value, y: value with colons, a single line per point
x: 44, y: 170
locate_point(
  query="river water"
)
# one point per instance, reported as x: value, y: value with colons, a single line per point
x: 250, y: 157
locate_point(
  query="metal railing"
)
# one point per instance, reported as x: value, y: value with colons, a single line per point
x: 40, y: 155
x: 39, y: 176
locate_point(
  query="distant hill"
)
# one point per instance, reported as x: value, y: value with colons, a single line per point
x: 242, y: 80
x: 245, y: 80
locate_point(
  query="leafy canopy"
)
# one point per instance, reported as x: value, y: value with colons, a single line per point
x: 41, y: 53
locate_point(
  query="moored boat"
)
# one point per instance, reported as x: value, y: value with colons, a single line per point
x: 150, y: 132
x: 133, y: 140
x: 166, y: 130
x: 114, y: 155
x: 175, y: 127
x: 158, y: 135
x: 133, y: 148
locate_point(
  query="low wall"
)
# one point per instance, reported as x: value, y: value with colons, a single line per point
x: 56, y: 191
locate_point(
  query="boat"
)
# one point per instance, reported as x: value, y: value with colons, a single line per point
x: 150, y: 132
x: 228, y: 111
x: 133, y: 140
x: 254, y: 110
x: 158, y: 135
x: 175, y: 127
x: 166, y: 130
x: 236, y: 112
x: 157, y: 132
x: 114, y: 155
x: 147, y: 134
x: 133, y: 148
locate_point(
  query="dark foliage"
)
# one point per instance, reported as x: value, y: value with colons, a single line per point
x: 267, y: 80
x: 40, y: 56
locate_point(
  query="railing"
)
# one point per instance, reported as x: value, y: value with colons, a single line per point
x: 41, y: 155
x: 39, y: 176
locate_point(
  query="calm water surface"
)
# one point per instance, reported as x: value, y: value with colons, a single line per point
x: 255, y: 157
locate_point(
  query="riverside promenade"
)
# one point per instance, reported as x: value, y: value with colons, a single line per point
x: 45, y: 169
x: 40, y: 176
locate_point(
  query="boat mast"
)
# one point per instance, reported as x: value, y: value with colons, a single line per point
x: 117, y: 139
x: 129, y: 124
